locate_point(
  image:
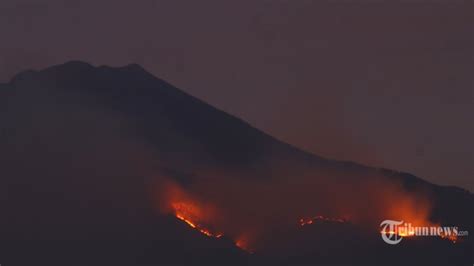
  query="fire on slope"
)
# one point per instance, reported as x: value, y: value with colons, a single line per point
x: 399, y: 231
x: 245, y: 221
x: 199, y: 215
x: 190, y: 213
x: 307, y: 221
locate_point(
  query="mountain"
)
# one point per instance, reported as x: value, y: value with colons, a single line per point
x: 96, y: 159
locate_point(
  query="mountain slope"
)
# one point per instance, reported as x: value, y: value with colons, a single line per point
x: 88, y: 151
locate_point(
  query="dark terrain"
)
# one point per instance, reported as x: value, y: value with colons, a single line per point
x: 81, y: 146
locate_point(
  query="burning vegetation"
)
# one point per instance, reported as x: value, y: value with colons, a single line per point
x: 217, y: 208
x: 189, y: 213
x: 200, y: 216
x: 320, y: 218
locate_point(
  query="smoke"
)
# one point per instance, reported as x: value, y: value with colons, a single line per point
x: 256, y: 210
x: 71, y: 164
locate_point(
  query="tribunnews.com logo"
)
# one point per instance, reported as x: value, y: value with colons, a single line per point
x: 393, y: 232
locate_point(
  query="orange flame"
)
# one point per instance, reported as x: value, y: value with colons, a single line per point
x: 452, y: 238
x: 197, y: 215
x: 314, y: 219
x: 182, y: 210
x: 189, y: 213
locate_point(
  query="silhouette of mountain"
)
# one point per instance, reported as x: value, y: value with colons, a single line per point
x: 81, y: 146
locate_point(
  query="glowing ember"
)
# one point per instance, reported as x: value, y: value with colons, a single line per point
x: 198, y: 215
x: 202, y: 230
x: 452, y: 238
x: 188, y: 213
x: 312, y: 220
x: 241, y: 243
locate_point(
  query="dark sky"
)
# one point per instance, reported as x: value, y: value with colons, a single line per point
x: 384, y: 83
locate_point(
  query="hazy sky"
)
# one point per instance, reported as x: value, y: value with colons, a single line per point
x: 384, y: 83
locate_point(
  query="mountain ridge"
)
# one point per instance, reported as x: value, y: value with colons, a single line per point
x: 74, y: 71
